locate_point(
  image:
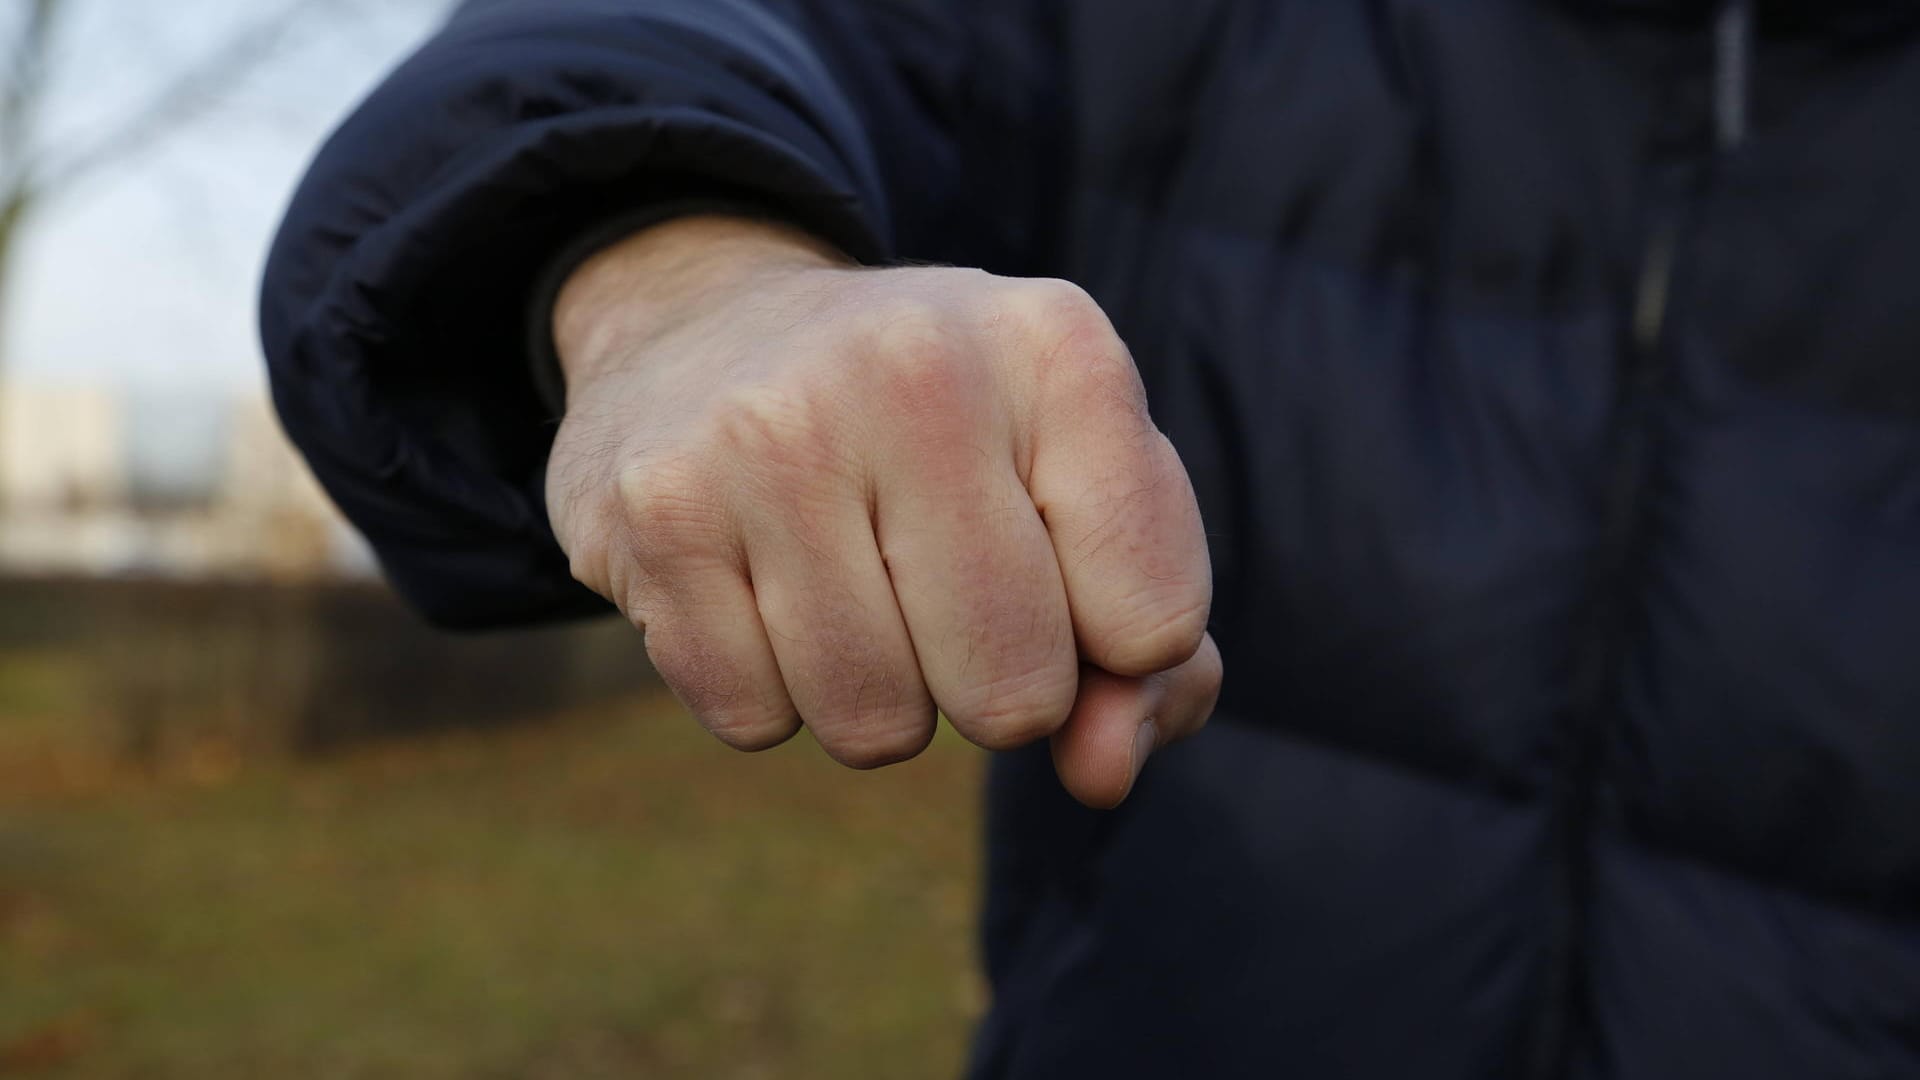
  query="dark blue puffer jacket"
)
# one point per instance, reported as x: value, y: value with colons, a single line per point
x: 1550, y: 376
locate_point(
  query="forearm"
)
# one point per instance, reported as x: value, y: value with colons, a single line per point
x: 643, y: 286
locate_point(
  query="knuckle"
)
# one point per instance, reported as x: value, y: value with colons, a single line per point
x: 687, y: 665
x: 715, y: 689
x: 1080, y: 351
x: 587, y: 555
x: 753, y: 421
x: 665, y: 503
x: 1067, y: 312
x: 918, y: 377
x: 1159, y: 629
x: 885, y: 721
x: 865, y: 706
x: 1014, y: 712
x: 775, y: 434
x: 608, y: 561
x: 751, y: 728
x: 589, y: 532
x: 1060, y: 303
x: 770, y: 412
x: 901, y: 320
x: 916, y: 356
x: 881, y: 745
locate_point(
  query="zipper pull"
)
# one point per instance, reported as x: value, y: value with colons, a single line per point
x: 1653, y: 289
x: 1732, y: 71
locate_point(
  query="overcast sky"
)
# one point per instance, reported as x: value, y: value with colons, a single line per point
x: 144, y: 276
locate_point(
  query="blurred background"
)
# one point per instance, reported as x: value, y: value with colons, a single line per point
x: 255, y: 820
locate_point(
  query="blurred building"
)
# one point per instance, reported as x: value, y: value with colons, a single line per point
x: 60, y: 446
x: 103, y: 482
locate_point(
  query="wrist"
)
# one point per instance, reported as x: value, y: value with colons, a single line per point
x: 667, y: 274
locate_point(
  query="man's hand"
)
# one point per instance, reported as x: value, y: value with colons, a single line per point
x: 845, y: 497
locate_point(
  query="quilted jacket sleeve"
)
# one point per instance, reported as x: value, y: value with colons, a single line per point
x: 395, y: 312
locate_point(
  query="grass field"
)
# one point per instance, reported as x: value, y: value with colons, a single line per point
x: 606, y: 894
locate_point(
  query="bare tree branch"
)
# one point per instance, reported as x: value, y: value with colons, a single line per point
x: 197, y: 87
x: 31, y: 170
x: 21, y: 96
x: 29, y: 50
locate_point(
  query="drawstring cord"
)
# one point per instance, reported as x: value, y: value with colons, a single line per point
x: 1732, y: 71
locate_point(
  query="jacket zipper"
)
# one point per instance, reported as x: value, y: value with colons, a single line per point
x: 1622, y: 550
x: 1607, y: 639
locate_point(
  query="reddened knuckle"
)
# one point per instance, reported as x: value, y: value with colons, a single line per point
x: 922, y: 364
x: 1077, y: 351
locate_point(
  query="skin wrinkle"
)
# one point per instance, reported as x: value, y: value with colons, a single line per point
x: 1109, y: 355
x: 1173, y: 618
x: 627, y: 591
x: 893, y: 588
x: 834, y: 631
x: 982, y: 579
x: 1105, y: 531
x: 973, y: 649
x: 970, y: 637
x: 698, y: 672
x: 640, y: 607
x: 869, y: 719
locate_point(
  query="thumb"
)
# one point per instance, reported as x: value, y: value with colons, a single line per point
x: 1118, y: 722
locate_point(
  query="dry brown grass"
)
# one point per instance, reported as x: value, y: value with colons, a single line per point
x: 608, y: 893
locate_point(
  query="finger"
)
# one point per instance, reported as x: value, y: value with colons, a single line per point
x: 1118, y: 506
x: 975, y: 577
x: 837, y: 635
x: 1117, y: 722
x: 708, y: 644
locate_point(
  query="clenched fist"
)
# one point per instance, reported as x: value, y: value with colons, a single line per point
x: 846, y: 498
